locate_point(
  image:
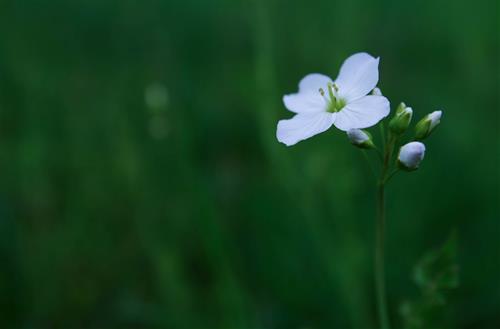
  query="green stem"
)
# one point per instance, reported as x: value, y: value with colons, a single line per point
x: 379, y: 259
x: 394, y: 172
x: 388, y: 154
x: 380, y: 155
x: 382, y: 133
x: 372, y: 169
x: 380, y: 235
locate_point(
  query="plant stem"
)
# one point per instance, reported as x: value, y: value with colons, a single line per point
x: 379, y: 258
x: 382, y: 134
x: 380, y: 235
x: 394, y: 172
x: 372, y: 169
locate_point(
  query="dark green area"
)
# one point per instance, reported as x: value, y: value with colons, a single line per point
x: 187, y: 213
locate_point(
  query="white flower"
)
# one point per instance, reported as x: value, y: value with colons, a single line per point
x: 410, y: 155
x: 345, y: 103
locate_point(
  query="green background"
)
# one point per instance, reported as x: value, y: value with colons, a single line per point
x: 141, y: 183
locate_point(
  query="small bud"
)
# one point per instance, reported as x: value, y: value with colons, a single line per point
x: 360, y: 138
x: 410, y: 156
x: 400, y: 108
x: 425, y: 126
x: 376, y: 92
x: 401, y: 120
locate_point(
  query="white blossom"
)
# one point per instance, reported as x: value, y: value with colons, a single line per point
x: 344, y: 103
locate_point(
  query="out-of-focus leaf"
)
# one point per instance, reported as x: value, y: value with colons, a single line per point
x: 437, y: 270
x: 435, y: 274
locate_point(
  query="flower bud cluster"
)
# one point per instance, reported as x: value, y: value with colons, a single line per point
x: 410, y: 154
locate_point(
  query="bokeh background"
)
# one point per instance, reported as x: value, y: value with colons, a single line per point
x: 141, y: 184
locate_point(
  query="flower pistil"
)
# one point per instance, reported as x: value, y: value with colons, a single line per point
x: 334, y: 104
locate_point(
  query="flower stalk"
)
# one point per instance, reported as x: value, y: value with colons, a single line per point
x: 380, y: 233
x: 379, y: 258
x: 352, y: 104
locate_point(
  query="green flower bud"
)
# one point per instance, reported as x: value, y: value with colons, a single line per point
x: 401, y: 120
x: 376, y: 92
x: 400, y: 108
x: 360, y: 138
x: 425, y: 126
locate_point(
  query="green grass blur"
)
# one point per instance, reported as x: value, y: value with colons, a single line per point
x: 141, y: 183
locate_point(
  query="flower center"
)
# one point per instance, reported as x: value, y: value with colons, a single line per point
x: 333, y: 103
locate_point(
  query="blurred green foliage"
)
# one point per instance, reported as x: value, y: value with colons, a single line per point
x: 141, y: 184
x: 436, y: 274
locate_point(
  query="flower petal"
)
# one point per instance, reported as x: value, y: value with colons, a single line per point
x: 312, y: 82
x: 303, y: 126
x: 362, y: 113
x: 358, y: 76
x: 306, y: 102
x: 308, y: 99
